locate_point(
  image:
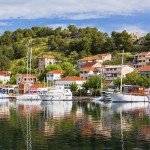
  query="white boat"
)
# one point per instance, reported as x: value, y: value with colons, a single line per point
x: 29, y: 97
x: 122, y: 97
x: 3, y: 96
x: 56, y: 94
x: 131, y: 93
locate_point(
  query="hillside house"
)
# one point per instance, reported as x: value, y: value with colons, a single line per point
x: 54, y: 75
x: 46, y: 60
x: 69, y: 80
x: 5, y: 76
x: 26, y: 78
x: 141, y: 59
x: 144, y: 70
x: 111, y: 72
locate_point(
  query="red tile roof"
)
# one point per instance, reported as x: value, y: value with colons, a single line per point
x: 89, y: 64
x: 87, y: 69
x: 57, y: 72
x: 4, y: 73
x: 75, y: 78
x: 144, y: 68
x: 37, y: 85
x: 28, y: 75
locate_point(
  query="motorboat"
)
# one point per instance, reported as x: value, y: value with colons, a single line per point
x: 56, y: 93
x: 104, y: 97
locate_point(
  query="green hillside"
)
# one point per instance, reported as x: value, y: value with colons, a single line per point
x: 68, y: 45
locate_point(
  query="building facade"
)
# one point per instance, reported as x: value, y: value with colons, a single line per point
x: 69, y: 80
x: 112, y: 72
x: 141, y: 59
x: 5, y: 76
x: 54, y: 75
x: 46, y: 60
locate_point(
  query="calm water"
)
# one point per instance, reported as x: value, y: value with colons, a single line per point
x: 74, y: 126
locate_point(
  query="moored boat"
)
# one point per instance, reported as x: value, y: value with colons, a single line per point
x: 56, y: 94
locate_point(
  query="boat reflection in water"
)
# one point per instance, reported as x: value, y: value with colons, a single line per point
x: 55, y: 109
x: 27, y: 110
x: 4, y: 109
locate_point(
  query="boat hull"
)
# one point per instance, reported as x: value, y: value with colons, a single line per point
x: 29, y: 97
x: 55, y: 98
x: 128, y: 98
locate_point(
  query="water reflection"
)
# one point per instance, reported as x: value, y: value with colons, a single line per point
x: 4, y: 109
x: 74, y: 125
x: 27, y: 110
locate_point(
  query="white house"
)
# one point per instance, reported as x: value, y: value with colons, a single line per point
x: 97, y: 58
x: 54, y: 75
x: 87, y: 69
x: 69, y: 80
x: 26, y: 78
x: 5, y: 76
x: 113, y: 71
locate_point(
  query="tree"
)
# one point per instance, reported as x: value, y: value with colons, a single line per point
x: 73, y: 87
x: 68, y: 67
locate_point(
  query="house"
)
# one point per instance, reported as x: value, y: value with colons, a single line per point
x: 69, y: 80
x: 97, y: 58
x: 144, y: 70
x: 54, y: 75
x: 141, y: 59
x: 111, y: 72
x: 86, y: 71
x: 26, y: 78
x: 46, y: 60
x: 5, y: 76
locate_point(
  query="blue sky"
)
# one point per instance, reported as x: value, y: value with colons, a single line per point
x: 106, y: 15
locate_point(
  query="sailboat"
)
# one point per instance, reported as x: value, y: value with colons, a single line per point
x: 104, y: 94
x: 135, y: 94
x: 29, y: 96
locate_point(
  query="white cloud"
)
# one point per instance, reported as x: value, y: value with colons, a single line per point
x: 5, y: 24
x: 63, y: 26
x: 75, y: 9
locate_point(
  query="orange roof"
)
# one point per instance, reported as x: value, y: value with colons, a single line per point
x: 48, y: 56
x: 90, y: 58
x: 86, y: 58
x: 75, y: 78
x: 103, y: 54
x: 144, y: 68
x: 28, y: 75
x: 37, y: 85
x: 87, y: 69
x: 4, y: 73
x: 57, y: 72
x: 89, y: 64
x: 144, y: 53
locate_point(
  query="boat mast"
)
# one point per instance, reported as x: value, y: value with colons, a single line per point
x: 121, y: 72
